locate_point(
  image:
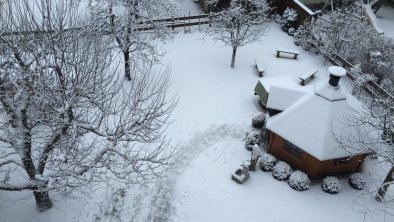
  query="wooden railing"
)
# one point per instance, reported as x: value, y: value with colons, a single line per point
x: 176, y: 22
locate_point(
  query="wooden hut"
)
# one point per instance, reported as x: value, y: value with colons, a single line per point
x: 306, y: 131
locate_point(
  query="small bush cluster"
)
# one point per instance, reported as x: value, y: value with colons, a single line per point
x: 288, y: 19
x: 303, y: 38
x: 299, y: 180
x: 357, y: 181
x: 267, y: 162
x: 259, y: 121
x: 251, y: 139
x: 281, y: 171
x: 331, y: 185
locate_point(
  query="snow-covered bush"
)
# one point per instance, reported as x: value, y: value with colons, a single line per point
x: 251, y: 139
x: 291, y: 31
x: 267, y: 162
x: 281, y: 171
x: 331, y: 185
x: 357, y: 181
x: 299, y: 181
x: 360, y: 79
x: 303, y: 38
x: 288, y: 18
x: 278, y: 18
x: 258, y: 121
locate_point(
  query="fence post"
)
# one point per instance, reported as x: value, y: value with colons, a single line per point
x: 173, y: 24
x: 190, y: 31
x: 184, y: 25
x: 199, y: 19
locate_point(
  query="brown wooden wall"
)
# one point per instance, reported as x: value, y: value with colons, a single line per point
x: 309, y: 164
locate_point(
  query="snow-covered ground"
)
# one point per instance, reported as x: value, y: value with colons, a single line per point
x: 216, y: 105
x: 218, y: 102
x: 385, y: 17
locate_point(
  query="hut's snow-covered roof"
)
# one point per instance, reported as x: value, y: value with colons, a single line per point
x: 317, y: 120
x: 281, y: 98
x: 283, y: 81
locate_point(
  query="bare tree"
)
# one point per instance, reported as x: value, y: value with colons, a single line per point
x: 361, y: 80
x: 374, y: 131
x: 338, y: 32
x: 66, y: 120
x: 343, y: 34
x: 242, y: 23
x: 134, y: 25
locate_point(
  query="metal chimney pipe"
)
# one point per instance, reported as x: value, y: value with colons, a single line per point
x: 336, y: 72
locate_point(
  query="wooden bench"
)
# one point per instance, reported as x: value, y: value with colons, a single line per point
x: 285, y: 51
x: 308, y: 76
x: 259, y: 67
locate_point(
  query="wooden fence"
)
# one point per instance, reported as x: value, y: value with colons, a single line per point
x: 185, y: 21
x: 176, y: 22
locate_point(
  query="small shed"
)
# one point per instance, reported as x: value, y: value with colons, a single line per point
x: 263, y: 87
x: 305, y: 132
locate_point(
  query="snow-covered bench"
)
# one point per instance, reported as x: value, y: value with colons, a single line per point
x: 259, y: 67
x: 286, y: 51
x: 306, y: 77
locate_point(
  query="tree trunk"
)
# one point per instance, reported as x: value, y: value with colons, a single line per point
x: 43, y: 201
x: 382, y: 190
x: 233, y: 56
x: 127, y: 68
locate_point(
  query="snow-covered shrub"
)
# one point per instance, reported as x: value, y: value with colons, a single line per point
x: 303, y: 38
x: 291, y: 31
x: 267, y: 162
x: 299, y: 180
x: 331, y: 185
x: 288, y: 18
x: 251, y: 139
x: 281, y: 171
x: 258, y: 121
x: 357, y: 181
x: 278, y: 18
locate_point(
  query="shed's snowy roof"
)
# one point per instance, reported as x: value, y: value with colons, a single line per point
x: 283, y: 81
x: 314, y: 123
x: 281, y: 98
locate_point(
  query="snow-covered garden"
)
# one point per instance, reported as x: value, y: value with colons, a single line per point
x: 214, y: 112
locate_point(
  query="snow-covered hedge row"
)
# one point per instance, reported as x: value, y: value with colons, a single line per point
x: 331, y: 185
x: 267, y: 162
x: 259, y: 121
x: 251, y: 139
x: 288, y: 18
x: 281, y: 171
x: 357, y: 181
x: 299, y: 180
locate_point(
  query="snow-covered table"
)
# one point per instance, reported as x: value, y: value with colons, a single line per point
x: 306, y: 77
x: 286, y: 51
x: 259, y: 67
